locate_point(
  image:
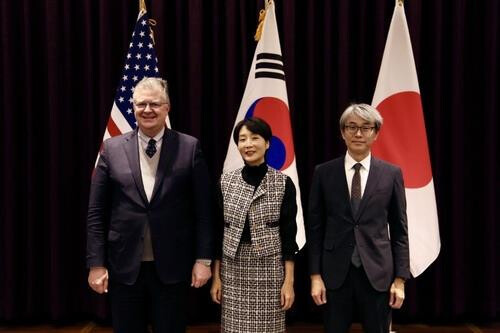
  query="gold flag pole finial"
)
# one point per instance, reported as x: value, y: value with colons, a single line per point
x: 142, y: 6
x: 262, y: 16
x: 152, y: 23
x: 258, y: 33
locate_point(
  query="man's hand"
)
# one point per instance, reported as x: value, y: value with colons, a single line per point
x: 318, y: 290
x: 397, y: 293
x: 216, y: 290
x: 200, y: 275
x: 98, y: 279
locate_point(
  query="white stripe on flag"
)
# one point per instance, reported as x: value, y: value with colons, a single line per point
x: 119, y: 120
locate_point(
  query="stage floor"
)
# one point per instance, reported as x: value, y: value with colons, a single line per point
x: 91, y: 327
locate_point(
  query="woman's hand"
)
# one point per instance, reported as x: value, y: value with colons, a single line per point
x: 287, y: 295
x: 216, y: 290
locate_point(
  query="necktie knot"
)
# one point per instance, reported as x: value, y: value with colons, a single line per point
x: 151, y: 148
x: 357, y: 166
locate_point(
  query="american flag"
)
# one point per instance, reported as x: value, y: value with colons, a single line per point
x: 140, y: 62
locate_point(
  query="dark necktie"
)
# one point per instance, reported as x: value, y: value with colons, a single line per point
x: 356, y: 188
x: 151, y: 148
x: 355, y: 200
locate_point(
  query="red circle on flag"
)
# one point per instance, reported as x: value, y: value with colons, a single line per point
x: 402, y: 140
x: 276, y: 113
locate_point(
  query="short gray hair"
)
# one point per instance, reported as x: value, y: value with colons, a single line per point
x: 365, y: 112
x: 152, y: 83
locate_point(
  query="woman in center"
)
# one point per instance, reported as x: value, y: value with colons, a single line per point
x: 253, y: 273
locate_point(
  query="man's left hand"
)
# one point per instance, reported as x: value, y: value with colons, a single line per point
x: 200, y: 275
x: 397, y: 293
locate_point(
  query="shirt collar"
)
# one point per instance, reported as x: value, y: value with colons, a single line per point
x: 158, y: 137
x: 365, y: 163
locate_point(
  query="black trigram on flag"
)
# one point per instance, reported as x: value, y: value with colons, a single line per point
x: 269, y: 65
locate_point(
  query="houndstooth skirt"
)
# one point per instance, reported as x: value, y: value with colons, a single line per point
x: 251, y: 292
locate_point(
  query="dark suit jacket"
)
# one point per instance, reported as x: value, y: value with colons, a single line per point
x: 178, y: 214
x: 332, y: 230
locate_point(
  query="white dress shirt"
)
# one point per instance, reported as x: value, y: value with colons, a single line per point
x: 363, y: 171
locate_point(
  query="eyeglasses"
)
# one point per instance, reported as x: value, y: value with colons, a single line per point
x: 353, y: 129
x: 153, y: 105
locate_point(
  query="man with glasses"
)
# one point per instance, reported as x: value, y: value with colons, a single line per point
x: 149, y: 227
x: 357, y: 230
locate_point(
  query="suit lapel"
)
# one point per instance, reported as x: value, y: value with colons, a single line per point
x: 169, y: 149
x: 339, y: 186
x: 371, y: 185
x: 344, y: 187
x: 132, y: 151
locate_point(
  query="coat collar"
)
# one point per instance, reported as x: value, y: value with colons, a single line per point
x: 169, y: 150
x: 260, y: 190
x: 371, y: 185
x: 132, y: 151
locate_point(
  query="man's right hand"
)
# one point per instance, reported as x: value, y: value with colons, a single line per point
x: 318, y: 290
x: 98, y: 279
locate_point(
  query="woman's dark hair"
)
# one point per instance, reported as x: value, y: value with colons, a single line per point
x: 254, y: 125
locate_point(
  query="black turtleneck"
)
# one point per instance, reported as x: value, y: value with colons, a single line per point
x: 253, y: 175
